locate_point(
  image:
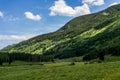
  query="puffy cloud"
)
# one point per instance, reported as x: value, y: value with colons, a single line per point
x: 61, y: 8
x: 31, y: 16
x: 1, y: 14
x: 115, y: 3
x: 94, y: 2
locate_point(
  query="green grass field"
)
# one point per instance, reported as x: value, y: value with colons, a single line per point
x: 61, y: 71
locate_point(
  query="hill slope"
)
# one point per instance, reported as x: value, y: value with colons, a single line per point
x: 85, y: 35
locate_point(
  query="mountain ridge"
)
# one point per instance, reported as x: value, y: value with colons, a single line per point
x: 77, y: 33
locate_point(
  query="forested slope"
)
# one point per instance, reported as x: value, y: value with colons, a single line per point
x: 87, y: 35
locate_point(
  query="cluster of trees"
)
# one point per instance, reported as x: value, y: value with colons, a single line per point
x: 4, y: 57
x: 10, y: 57
x: 105, y: 23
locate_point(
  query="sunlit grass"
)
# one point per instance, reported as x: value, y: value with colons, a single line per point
x: 61, y: 71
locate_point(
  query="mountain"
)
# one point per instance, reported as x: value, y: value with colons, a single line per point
x: 87, y: 36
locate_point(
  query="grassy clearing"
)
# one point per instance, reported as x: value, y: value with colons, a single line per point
x: 60, y: 71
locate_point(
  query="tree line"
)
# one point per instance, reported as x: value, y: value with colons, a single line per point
x: 10, y: 57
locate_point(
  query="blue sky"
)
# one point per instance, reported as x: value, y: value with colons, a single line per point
x: 23, y: 19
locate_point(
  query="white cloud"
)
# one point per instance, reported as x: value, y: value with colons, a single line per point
x: 6, y: 40
x: 98, y: 2
x: 88, y: 1
x: 31, y: 16
x: 94, y: 2
x: 4, y: 43
x: 61, y: 8
x: 115, y: 3
x: 1, y: 14
x: 10, y: 18
x: 15, y: 37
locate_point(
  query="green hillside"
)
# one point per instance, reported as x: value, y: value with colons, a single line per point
x: 88, y: 35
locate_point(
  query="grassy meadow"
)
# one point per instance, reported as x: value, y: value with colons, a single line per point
x: 108, y: 70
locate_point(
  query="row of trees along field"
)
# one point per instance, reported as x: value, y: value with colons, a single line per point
x: 10, y: 57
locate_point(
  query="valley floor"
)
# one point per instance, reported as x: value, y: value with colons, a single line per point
x: 60, y: 71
